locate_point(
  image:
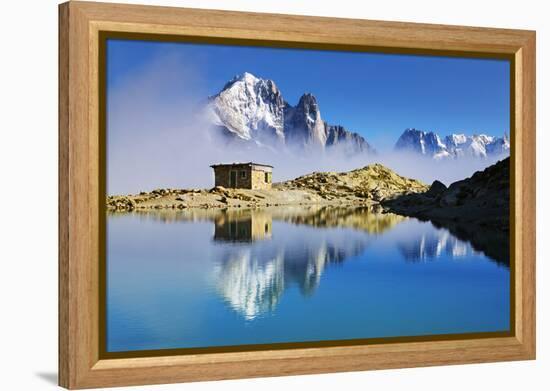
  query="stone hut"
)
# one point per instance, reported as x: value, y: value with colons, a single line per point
x: 253, y: 176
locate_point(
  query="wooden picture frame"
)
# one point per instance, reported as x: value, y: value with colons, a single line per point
x: 81, y: 25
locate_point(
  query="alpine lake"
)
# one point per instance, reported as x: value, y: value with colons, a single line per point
x: 198, y: 278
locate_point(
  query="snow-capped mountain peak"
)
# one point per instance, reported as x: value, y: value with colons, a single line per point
x: 421, y: 142
x: 246, y: 78
x: 454, y: 145
x: 455, y: 139
x: 250, y: 108
x: 253, y: 109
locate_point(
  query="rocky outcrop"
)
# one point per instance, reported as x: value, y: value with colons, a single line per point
x: 483, y: 199
x: 436, y: 189
x: 476, y: 209
x: 374, y: 182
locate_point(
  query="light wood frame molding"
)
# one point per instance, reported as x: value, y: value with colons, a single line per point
x: 80, y: 24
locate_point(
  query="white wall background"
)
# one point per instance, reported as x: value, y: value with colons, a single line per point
x: 28, y: 194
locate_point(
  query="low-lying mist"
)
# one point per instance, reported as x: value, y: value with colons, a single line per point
x: 158, y: 136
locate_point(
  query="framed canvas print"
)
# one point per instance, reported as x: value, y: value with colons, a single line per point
x: 247, y: 195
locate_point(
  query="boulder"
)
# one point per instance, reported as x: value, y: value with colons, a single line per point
x: 436, y: 189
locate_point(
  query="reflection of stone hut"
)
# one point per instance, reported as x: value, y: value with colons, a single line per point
x: 243, y: 175
x: 243, y: 227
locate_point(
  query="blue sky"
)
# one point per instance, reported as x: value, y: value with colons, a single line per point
x: 376, y: 95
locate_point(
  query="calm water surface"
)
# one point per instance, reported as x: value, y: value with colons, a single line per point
x: 215, y: 278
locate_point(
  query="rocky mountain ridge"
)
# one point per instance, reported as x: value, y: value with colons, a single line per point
x: 453, y: 146
x: 253, y: 109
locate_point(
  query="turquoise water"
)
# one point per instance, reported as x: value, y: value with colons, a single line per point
x: 212, y: 278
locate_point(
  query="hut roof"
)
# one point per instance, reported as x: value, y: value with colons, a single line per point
x: 240, y: 164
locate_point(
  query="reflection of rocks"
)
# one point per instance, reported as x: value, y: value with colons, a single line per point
x: 252, y: 279
x: 371, y: 219
x: 432, y: 245
x: 171, y: 215
x: 494, y: 243
x: 364, y: 218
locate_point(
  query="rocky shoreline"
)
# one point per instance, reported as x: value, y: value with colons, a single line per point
x: 475, y: 209
x: 365, y: 186
x: 220, y: 197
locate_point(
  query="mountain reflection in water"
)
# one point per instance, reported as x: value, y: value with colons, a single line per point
x: 252, y: 279
x: 431, y: 245
x: 252, y: 270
